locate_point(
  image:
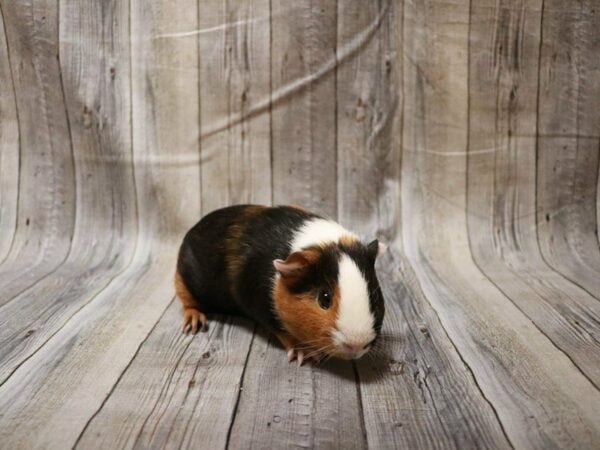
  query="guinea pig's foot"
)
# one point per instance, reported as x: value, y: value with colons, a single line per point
x: 301, y: 356
x: 191, y: 319
x: 292, y: 354
x: 315, y: 357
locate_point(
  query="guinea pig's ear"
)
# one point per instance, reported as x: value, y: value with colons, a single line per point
x: 376, y: 248
x: 294, y: 265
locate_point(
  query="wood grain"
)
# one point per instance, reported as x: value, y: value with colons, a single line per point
x: 368, y: 124
x: 418, y: 392
x: 569, y: 142
x: 499, y: 344
x: 46, y: 208
x: 9, y: 143
x: 179, y: 390
x: 305, y: 406
x: 303, y: 41
x: 234, y: 79
x: 92, y: 103
x: 504, y: 199
x: 463, y: 134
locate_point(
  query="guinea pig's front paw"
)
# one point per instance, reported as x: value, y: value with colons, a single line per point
x: 191, y: 318
x: 292, y: 354
x: 302, y: 355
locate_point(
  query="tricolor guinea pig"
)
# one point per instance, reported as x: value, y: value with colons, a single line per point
x: 304, y: 278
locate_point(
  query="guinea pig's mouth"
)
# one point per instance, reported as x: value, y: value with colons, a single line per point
x: 347, y: 351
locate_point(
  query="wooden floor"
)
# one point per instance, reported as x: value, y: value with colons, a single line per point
x: 465, y: 135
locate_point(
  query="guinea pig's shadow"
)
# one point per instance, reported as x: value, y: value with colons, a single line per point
x: 374, y: 366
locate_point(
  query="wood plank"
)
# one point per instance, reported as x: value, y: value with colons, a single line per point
x: 9, y: 143
x: 179, y: 390
x: 303, y: 41
x: 368, y: 99
x: 97, y: 99
x: 166, y: 120
x: 217, y: 385
x: 502, y: 184
x: 417, y: 392
x: 46, y: 212
x: 59, y: 388
x: 541, y: 398
x: 234, y: 79
x: 309, y: 406
x: 569, y: 139
x: 414, y: 389
x: 104, y: 327
x: 283, y: 405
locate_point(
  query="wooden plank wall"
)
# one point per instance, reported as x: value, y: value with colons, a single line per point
x: 464, y: 134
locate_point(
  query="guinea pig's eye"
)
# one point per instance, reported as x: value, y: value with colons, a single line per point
x: 324, y: 299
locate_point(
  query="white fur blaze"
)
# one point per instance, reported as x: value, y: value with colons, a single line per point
x: 318, y: 231
x: 355, y: 321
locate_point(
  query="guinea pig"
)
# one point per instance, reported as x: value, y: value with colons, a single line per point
x: 304, y: 278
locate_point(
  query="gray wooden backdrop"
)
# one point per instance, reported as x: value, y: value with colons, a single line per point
x: 465, y: 134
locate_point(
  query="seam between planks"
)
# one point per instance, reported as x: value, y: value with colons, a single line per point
x: 68, y: 120
x: 466, y: 365
x: 475, y: 262
x: 240, y: 389
x: 16, y: 103
x: 86, y: 304
x: 361, y: 410
x: 336, y: 114
x: 597, y: 184
x: 69, y: 251
x: 468, y: 142
x: 537, y: 153
x: 270, y: 108
x: 120, y: 376
x: 167, y: 382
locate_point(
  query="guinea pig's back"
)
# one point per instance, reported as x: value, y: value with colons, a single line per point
x: 226, y: 259
x: 202, y: 262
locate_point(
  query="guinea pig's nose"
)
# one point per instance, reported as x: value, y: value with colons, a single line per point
x: 352, y: 347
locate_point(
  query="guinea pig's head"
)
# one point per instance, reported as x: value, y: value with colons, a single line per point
x: 328, y: 298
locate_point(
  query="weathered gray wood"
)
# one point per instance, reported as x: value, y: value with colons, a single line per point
x: 569, y: 141
x: 303, y: 37
x: 105, y: 203
x: 311, y: 406
x: 179, y: 391
x: 95, y: 98
x: 46, y: 213
x: 541, y: 398
x: 417, y: 392
x: 165, y: 121
x: 75, y: 371
x: 368, y: 99
x: 234, y: 78
x: 9, y: 145
x: 94, y: 329
x: 476, y: 123
x: 416, y: 364
x: 282, y: 405
x: 502, y: 197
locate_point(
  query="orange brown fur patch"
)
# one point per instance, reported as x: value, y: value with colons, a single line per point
x: 192, y: 316
x: 187, y: 299
x: 234, y: 233
x: 298, y: 207
x: 304, y: 319
x: 349, y: 240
